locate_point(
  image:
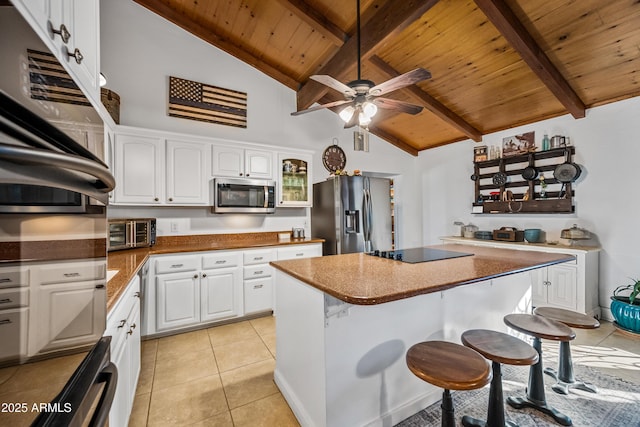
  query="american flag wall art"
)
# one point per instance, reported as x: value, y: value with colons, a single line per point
x: 49, y: 81
x: 202, y: 102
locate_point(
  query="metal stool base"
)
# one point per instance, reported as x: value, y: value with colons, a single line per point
x: 564, y: 375
x: 468, y: 421
x: 563, y: 387
x: 519, y: 403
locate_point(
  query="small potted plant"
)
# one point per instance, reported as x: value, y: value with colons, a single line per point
x: 626, y: 308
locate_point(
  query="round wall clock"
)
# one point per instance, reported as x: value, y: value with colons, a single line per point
x: 333, y: 158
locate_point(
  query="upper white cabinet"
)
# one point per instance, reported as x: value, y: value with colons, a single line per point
x: 71, y: 31
x: 150, y: 170
x: 294, y: 180
x: 138, y: 166
x: 187, y: 172
x: 238, y: 162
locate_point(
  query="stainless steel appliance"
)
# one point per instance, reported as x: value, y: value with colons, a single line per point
x: 352, y: 214
x: 242, y: 195
x: 131, y: 233
x: 416, y: 255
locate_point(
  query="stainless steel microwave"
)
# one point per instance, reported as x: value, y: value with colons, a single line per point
x: 131, y: 233
x: 242, y: 195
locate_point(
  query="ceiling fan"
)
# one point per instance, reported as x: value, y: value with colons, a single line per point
x: 362, y: 96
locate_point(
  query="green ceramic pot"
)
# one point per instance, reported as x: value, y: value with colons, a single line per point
x: 626, y: 315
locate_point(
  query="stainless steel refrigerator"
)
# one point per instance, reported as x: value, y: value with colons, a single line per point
x: 352, y: 214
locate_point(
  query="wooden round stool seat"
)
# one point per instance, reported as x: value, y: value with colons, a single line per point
x: 499, y: 348
x: 564, y: 377
x: 450, y: 366
x: 539, y: 327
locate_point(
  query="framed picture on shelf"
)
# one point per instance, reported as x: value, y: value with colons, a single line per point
x: 518, y: 144
x: 480, y: 153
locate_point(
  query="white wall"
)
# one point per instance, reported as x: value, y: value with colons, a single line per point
x: 141, y: 50
x: 607, y: 198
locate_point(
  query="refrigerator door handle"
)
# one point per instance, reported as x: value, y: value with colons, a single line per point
x: 367, y: 219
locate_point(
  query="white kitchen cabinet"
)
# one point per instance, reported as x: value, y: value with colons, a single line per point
x: 90, y: 136
x: 294, y: 180
x: 71, y: 31
x: 178, y: 297
x: 571, y: 285
x: 138, y: 167
x: 187, y: 177
x: 237, y: 162
x: 221, y: 294
x: 68, y: 305
x: 123, y: 325
x: 14, y: 312
x: 258, y: 280
x: 299, y: 251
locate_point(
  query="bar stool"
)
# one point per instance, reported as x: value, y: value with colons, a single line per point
x: 449, y: 366
x: 538, y: 327
x: 499, y: 348
x: 564, y: 375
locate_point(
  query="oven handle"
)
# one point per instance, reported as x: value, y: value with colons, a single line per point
x: 266, y: 197
x: 108, y: 375
x: 105, y: 182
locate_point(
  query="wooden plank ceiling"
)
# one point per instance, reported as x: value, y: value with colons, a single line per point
x: 495, y: 64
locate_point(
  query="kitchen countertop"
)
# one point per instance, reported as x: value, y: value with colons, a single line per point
x: 366, y: 280
x: 129, y: 261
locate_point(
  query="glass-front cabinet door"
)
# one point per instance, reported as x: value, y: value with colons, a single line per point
x: 294, y: 171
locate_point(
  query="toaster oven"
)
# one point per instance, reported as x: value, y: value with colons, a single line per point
x: 131, y: 233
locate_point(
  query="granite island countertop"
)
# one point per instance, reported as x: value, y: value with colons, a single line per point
x: 129, y: 261
x: 366, y: 280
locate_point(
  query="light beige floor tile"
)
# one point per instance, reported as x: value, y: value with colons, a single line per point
x: 241, y: 353
x: 6, y: 373
x: 30, y: 397
x: 50, y: 371
x: 271, y: 411
x: 249, y: 383
x: 622, y: 341
x: 184, y: 367
x: 228, y: 334
x: 140, y: 410
x: 220, y: 420
x: 177, y: 344
x: 149, y: 350
x: 264, y: 325
x: 145, y: 381
x: 593, y: 336
x: 187, y: 403
x: 270, y: 341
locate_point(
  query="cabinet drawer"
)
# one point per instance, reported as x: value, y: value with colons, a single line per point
x: 70, y: 272
x: 13, y: 333
x: 299, y: 251
x: 258, y: 257
x: 12, y: 277
x: 14, y: 297
x: 259, y: 270
x: 177, y: 264
x: 258, y: 295
x: 224, y: 259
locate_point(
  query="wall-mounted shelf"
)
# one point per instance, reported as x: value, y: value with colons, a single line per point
x: 560, y: 200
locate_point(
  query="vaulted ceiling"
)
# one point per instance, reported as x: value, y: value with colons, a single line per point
x: 495, y: 64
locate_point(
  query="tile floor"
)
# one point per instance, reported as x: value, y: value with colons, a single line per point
x: 223, y: 376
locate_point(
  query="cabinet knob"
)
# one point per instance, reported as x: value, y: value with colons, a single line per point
x: 204, y: 274
x: 130, y: 332
x: 136, y: 295
x: 122, y: 322
x: 171, y: 199
x: 195, y: 276
x: 247, y: 175
x: 77, y: 55
x: 64, y: 34
x: 156, y: 199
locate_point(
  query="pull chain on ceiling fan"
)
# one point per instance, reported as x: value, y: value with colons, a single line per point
x: 362, y: 95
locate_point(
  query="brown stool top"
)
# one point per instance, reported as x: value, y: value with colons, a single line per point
x: 448, y: 365
x: 539, y: 327
x: 500, y: 347
x: 570, y: 318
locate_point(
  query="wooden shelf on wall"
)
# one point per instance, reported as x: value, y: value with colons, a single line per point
x: 560, y: 201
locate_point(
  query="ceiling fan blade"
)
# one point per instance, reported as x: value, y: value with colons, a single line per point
x: 400, y: 81
x: 334, y: 84
x: 394, y: 104
x: 323, y: 106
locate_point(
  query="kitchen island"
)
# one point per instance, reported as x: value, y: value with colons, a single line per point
x: 345, y: 322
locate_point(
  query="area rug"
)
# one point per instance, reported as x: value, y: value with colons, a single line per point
x: 617, y: 403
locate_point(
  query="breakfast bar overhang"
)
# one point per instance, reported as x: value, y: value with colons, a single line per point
x: 345, y: 322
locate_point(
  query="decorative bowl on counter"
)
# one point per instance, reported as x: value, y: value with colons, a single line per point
x: 532, y: 235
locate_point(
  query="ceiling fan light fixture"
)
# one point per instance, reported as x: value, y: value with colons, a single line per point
x: 369, y: 109
x: 363, y: 119
x: 347, y: 113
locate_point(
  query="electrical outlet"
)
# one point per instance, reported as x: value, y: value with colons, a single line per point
x: 174, y: 226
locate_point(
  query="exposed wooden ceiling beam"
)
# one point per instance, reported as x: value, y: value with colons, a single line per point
x: 429, y: 102
x: 389, y: 20
x: 316, y: 20
x: 393, y: 140
x: 210, y: 36
x: 519, y: 38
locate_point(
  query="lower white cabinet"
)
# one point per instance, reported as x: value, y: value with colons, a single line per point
x: 68, y: 305
x: 258, y: 295
x: 178, y: 297
x: 555, y: 286
x: 14, y: 312
x: 220, y: 294
x: 123, y: 325
x: 299, y: 251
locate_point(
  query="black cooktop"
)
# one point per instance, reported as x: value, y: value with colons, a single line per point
x: 416, y: 255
